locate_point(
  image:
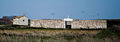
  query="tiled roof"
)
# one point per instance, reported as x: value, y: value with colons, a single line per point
x: 18, y: 16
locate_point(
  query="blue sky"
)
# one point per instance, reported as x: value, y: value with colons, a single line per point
x: 59, y: 9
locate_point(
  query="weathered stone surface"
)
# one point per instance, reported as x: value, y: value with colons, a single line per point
x: 48, y: 23
x: 20, y: 21
x: 89, y: 24
x: 75, y: 24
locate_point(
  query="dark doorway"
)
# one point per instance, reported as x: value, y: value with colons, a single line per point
x: 68, y: 26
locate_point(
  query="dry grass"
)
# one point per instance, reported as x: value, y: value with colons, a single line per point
x: 38, y: 32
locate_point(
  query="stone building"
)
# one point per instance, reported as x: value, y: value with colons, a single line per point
x: 69, y: 23
x: 66, y: 23
x: 20, y: 20
x: 14, y: 20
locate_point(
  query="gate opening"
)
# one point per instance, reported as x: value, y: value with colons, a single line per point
x: 68, y: 26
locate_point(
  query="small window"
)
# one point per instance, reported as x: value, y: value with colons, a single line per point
x: 23, y: 20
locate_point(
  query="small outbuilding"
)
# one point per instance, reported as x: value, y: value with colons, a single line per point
x: 14, y: 20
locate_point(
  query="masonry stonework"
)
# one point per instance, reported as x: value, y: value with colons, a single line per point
x: 75, y: 24
x: 47, y: 23
x: 20, y: 21
x: 91, y: 24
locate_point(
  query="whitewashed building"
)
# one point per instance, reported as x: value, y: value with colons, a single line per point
x: 15, y: 20
x: 20, y: 20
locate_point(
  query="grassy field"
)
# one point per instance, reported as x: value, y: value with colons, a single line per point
x: 111, y: 34
x: 59, y: 35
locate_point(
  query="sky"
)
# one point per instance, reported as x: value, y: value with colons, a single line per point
x: 60, y: 9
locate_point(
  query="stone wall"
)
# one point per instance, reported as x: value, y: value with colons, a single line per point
x: 89, y: 24
x: 47, y: 23
x: 75, y: 24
